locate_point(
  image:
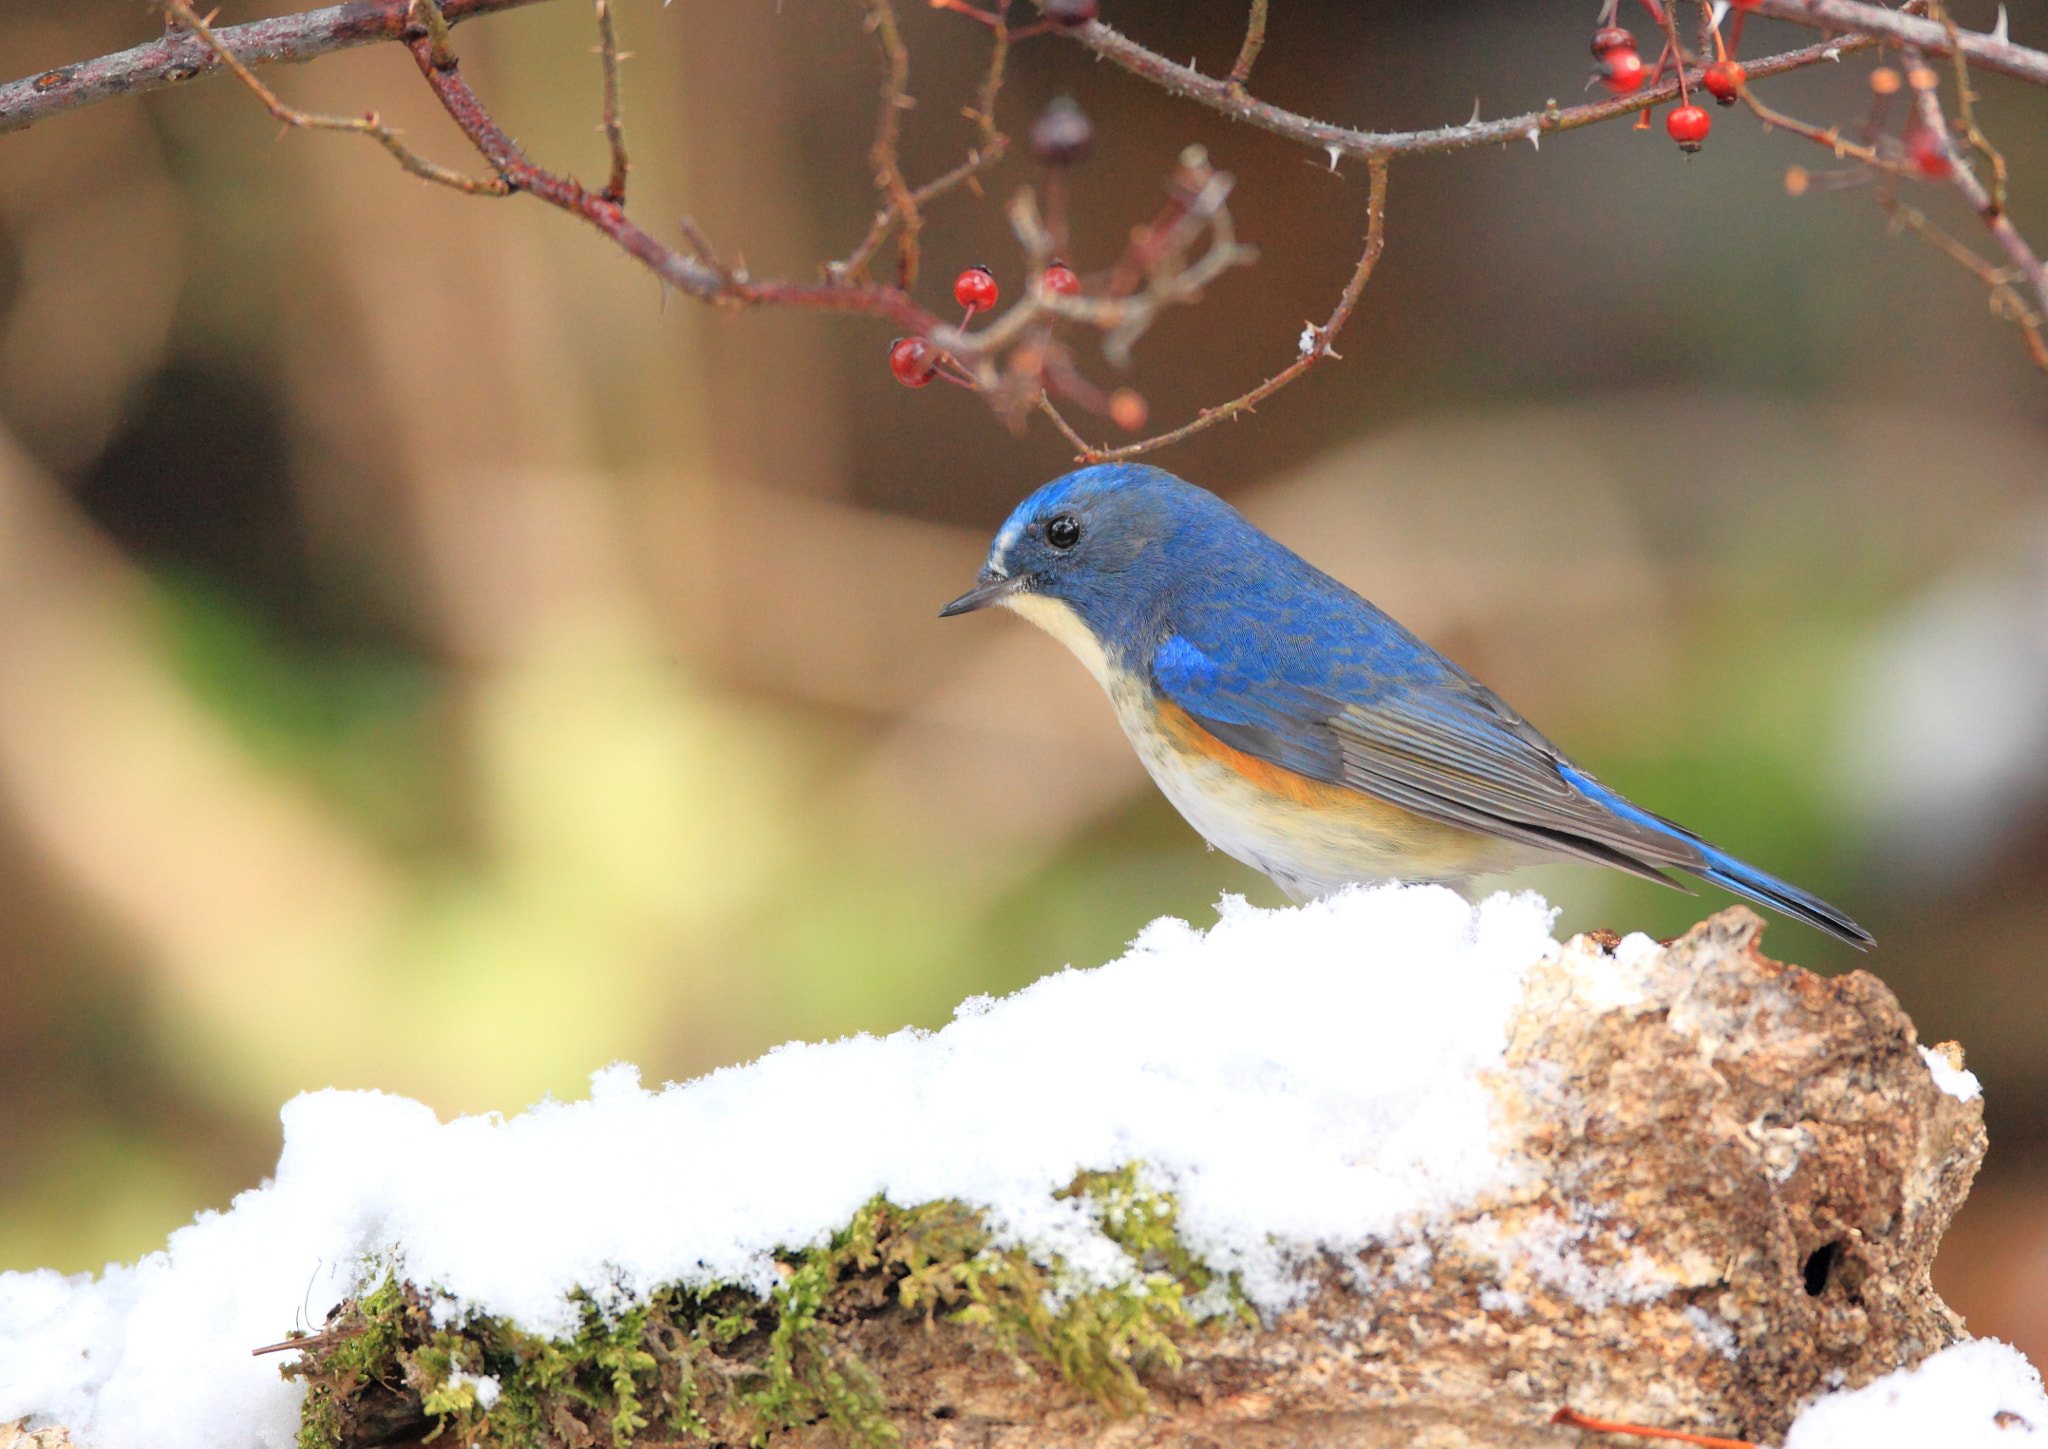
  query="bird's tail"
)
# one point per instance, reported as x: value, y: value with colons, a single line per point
x: 1745, y: 879
x: 1710, y: 862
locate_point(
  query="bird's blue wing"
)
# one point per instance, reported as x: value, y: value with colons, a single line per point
x: 1375, y: 709
x: 1362, y: 703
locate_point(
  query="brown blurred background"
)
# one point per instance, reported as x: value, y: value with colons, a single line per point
x: 430, y: 662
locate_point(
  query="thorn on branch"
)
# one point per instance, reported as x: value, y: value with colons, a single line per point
x: 1307, y: 356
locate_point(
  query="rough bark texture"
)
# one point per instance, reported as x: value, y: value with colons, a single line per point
x: 1732, y: 1189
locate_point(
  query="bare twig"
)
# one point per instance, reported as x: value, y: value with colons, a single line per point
x: 179, y: 56
x: 175, y: 59
x: 1966, y: 106
x: 614, y: 129
x: 1878, y: 156
x: 888, y: 128
x: 367, y: 125
x: 1082, y: 449
x: 984, y: 113
x: 856, y: 261
x: 1829, y: 136
x: 1572, y: 1419
x: 698, y: 274
x: 1254, y: 42
x: 701, y: 248
x: 1928, y: 100
x: 989, y: 149
x: 1315, y: 341
x: 1998, y: 281
x: 1200, y: 205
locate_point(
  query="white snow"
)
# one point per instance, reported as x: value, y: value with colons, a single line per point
x: 483, y: 1386
x: 1714, y: 1332
x: 1552, y: 1251
x: 1977, y: 1395
x: 1952, y: 1079
x: 1298, y: 1077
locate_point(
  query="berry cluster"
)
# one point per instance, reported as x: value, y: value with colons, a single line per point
x: 1620, y: 69
x: 915, y: 361
x: 1616, y: 64
x: 1020, y: 359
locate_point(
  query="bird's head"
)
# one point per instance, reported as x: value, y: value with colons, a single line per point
x: 1086, y: 556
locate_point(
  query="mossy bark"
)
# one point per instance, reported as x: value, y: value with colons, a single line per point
x: 1733, y: 1190
x: 1724, y: 1183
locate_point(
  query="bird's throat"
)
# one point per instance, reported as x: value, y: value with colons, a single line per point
x: 1064, y: 624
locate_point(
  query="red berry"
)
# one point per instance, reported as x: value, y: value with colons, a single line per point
x: 1743, y: 4
x: 1058, y: 278
x: 1925, y: 151
x: 1622, y: 72
x: 1722, y: 80
x: 1611, y: 38
x: 1127, y: 410
x: 1688, y: 126
x: 910, y: 358
x: 975, y: 289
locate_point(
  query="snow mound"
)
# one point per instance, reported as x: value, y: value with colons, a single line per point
x: 1977, y: 1395
x: 1298, y: 1077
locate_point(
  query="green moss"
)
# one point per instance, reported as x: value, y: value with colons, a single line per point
x: 724, y: 1366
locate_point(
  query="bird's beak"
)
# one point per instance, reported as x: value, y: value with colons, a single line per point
x: 989, y: 590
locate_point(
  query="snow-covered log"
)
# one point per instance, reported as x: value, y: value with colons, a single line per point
x: 1385, y: 1170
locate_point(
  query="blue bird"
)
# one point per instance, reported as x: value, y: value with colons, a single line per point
x: 1297, y: 727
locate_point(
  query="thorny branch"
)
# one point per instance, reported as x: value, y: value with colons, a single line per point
x: 1019, y: 359
x: 177, y: 57
x: 1980, y: 200
x: 1886, y: 161
x: 1339, y: 141
x: 1989, y: 52
x: 1313, y: 348
x: 989, y: 149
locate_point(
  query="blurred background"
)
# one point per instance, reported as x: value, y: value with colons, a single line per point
x: 432, y: 660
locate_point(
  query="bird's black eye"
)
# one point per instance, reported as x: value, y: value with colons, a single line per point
x: 1063, y: 530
